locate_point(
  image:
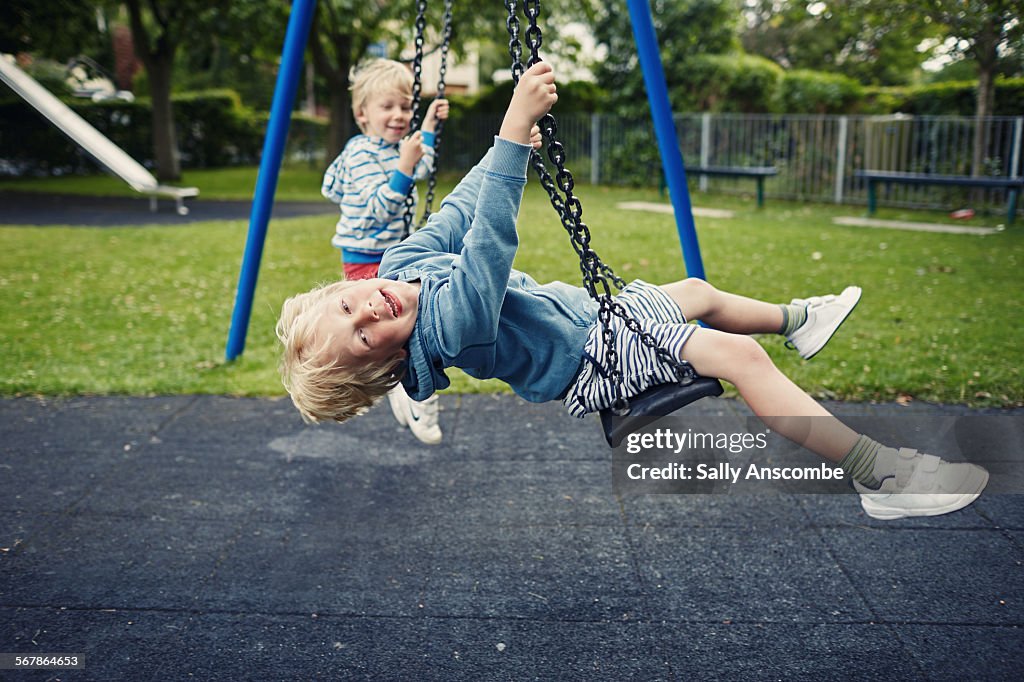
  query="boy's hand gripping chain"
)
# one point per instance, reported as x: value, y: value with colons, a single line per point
x: 596, y: 274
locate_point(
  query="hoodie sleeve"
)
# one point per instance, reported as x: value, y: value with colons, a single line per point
x: 469, y: 302
x: 447, y: 227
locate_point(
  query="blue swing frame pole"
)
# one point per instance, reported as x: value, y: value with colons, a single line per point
x: 665, y: 130
x: 270, y: 166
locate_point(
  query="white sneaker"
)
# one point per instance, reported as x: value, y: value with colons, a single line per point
x: 923, y: 485
x: 398, y: 398
x: 422, y: 419
x: 824, y: 315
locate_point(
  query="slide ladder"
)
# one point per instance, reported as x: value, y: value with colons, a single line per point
x: 91, y: 140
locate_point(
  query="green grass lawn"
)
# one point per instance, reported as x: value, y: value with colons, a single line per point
x: 147, y: 310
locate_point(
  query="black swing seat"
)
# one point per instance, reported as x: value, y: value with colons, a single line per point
x: 657, y: 401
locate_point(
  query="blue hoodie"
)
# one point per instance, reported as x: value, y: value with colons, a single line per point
x: 475, y: 311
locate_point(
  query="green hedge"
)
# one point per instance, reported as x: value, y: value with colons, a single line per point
x: 213, y: 129
x: 728, y: 83
x: 573, y: 97
x: 815, y: 92
x: 955, y: 98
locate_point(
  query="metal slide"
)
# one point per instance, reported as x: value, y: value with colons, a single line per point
x: 91, y: 140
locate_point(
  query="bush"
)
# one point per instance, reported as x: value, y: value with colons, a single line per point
x: 635, y: 157
x: 949, y: 98
x: 1009, y: 96
x: 960, y: 98
x: 307, y: 137
x: 957, y: 98
x: 815, y: 92
x: 883, y: 100
x: 30, y: 145
x: 573, y: 97
x: 728, y: 83
x: 213, y: 129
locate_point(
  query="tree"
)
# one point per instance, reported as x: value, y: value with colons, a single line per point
x: 240, y: 52
x: 344, y: 30
x: 340, y: 37
x: 685, y: 29
x: 872, y: 41
x: 158, y: 29
x: 987, y: 32
x: 59, y: 29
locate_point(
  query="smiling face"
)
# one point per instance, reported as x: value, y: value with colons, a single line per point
x: 370, y: 321
x: 386, y: 115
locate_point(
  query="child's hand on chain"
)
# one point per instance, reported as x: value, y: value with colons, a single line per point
x: 533, y: 97
x: 410, y: 151
x: 535, y: 137
x: 437, y: 111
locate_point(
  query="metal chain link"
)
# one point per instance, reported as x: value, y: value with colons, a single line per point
x: 515, y: 48
x: 417, y: 63
x: 417, y: 84
x: 446, y: 37
x: 596, y: 274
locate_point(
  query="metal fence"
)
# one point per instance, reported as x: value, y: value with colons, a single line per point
x: 816, y: 155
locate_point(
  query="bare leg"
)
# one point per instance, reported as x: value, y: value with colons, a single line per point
x: 724, y: 311
x: 772, y: 396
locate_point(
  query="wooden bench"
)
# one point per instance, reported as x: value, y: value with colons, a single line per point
x: 1013, y: 186
x: 759, y: 173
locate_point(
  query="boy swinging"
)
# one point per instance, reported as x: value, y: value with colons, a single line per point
x: 448, y: 297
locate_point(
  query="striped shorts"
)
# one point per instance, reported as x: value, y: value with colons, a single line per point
x: 658, y: 314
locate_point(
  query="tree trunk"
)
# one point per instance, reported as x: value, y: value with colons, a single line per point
x: 165, y: 142
x: 339, y: 117
x: 340, y: 128
x: 158, y: 58
x: 986, y: 53
x: 982, y: 110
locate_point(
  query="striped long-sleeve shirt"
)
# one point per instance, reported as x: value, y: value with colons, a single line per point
x: 370, y: 190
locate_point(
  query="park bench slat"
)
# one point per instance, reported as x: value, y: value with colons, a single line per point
x: 759, y: 173
x: 1012, y: 186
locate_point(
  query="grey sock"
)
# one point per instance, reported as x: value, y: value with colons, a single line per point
x: 859, y: 462
x: 793, y: 317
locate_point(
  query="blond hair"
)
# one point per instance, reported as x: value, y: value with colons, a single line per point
x: 377, y: 77
x: 321, y: 386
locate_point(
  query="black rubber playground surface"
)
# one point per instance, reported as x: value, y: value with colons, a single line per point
x: 209, y: 538
x: 26, y: 208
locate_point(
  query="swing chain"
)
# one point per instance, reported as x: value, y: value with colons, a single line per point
x: 570, y: 211
x: 571, y: 207
x: 417, y: 63
x: 595, y: 272
x: 534, y: 38
x: 515, y: 48
x: 417, y: 80
x: 445, y: 40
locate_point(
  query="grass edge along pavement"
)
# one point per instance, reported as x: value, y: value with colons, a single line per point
x: 126, y: 311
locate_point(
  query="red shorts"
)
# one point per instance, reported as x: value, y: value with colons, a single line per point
x: 360, y: 270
